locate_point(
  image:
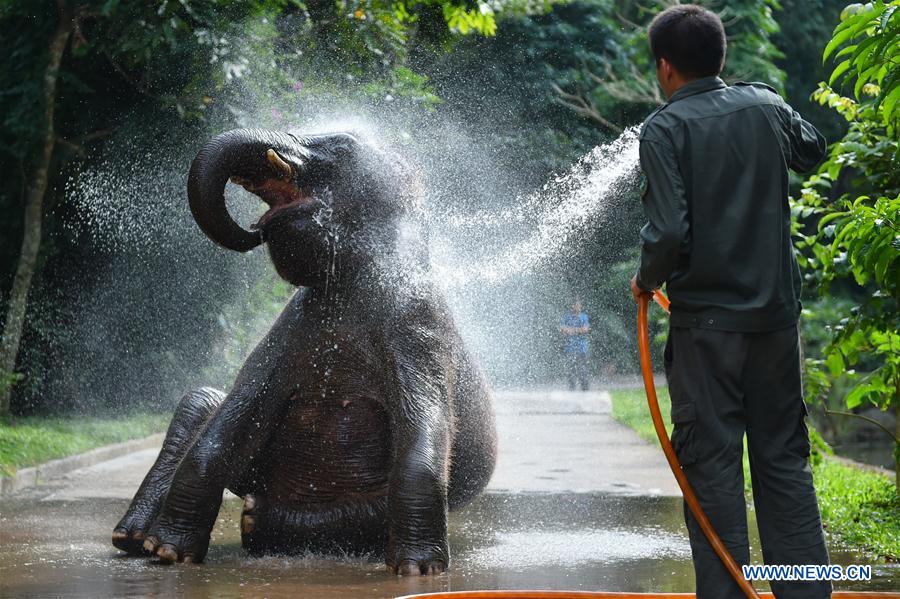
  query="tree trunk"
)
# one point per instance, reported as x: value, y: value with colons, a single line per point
x: 34, y: 200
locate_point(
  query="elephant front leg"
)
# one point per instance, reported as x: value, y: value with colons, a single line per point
x: 182, y: 529
x: 220, y: 457
x: 419, y: 414
x: 417, y: 501
x: 191, y: 415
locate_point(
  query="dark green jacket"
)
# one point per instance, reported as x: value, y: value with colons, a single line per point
x: 716, y: 160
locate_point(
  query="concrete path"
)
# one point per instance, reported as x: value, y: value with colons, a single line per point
x: 552, y: 441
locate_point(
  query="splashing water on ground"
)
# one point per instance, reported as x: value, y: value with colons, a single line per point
x: 555, y: 218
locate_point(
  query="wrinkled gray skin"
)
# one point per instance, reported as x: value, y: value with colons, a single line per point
x: 360, y: 419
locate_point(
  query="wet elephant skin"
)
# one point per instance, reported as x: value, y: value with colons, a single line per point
x: 360, y: 419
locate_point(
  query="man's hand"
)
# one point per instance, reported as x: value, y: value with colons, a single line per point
x: 636, y: 292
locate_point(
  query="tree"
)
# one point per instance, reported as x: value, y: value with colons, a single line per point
x: 628, y: 75
x: 856, y: 239
x: 33, y: 214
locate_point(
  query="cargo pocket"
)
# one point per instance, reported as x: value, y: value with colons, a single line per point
x: 683, y: 439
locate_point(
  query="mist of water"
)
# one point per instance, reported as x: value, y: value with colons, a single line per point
x: 157, y: 291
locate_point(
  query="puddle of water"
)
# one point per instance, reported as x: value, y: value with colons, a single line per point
x: 503, y: 540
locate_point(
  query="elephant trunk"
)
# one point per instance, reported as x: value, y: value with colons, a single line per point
x: 240, y: 153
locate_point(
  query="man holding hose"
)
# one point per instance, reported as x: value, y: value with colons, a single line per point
x: 716, y: 161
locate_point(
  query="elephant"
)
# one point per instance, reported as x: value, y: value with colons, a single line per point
x: 360, y: 419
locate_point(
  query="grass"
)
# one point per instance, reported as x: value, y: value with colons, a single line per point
x: 629, y: 406
x: 860, y: 507
x: 33, y: 440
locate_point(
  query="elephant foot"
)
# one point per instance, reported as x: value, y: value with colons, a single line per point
x: 412, y: 562
x: 415, y: 568
x: 177, y: 542
x: 129, y: 533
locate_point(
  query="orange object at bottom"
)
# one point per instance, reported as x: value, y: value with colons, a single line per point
x: 604, y: 595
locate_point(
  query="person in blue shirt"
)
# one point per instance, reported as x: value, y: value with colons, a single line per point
x: 575, y: 327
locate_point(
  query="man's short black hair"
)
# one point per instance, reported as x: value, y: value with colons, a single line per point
x: 691, y: 38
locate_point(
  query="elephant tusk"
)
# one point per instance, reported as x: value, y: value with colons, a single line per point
x: 280, y: 165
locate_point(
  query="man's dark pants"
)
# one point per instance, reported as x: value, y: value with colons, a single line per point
x: 722, y: 385
x: 577, y: 369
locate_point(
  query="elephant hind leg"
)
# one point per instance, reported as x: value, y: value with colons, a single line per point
x: 191, y: 415
x: 353, y: 525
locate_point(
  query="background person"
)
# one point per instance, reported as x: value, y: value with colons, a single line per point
x: 716, y: 160
x: 575, y: 326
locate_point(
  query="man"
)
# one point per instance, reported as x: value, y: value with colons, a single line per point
x: 575, y: 327
x: 716, y: 162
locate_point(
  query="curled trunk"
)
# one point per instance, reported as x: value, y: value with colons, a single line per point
x: 241, y: 153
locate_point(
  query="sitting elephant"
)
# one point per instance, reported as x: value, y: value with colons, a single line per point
x: 360, y: 419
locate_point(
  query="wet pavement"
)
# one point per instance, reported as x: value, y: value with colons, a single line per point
x: 578, y: 502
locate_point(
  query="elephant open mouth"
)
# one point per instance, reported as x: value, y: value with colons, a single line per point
x: 281, y: 193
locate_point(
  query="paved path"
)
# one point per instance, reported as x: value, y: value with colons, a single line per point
x: 552, y: 441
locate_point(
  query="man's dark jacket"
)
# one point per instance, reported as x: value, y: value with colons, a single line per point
x: 716, y: 159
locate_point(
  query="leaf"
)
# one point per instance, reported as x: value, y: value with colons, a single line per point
x: 823, y: 222
x: 839, y: 70
x: 835, y: 364
x: 890, y: 103
x: 886, y: 17
x: 864, y: 77
x: 860, y: 53
x: 887, y: 257
x: 836, y: 41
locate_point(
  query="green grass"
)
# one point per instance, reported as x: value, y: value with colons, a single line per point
x: 33, y: 440
x: 860, y: 507
x: 629, y: 406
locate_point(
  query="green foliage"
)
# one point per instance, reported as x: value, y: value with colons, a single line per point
x: 869, y: 41
x: 800, y: 40
x: 819, y: 448
x: 860, y: 507
x: 630, y: 75
x: 852, y: 205
x: 29, y: 441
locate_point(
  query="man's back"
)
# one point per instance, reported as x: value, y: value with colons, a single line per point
x: 728, y: 236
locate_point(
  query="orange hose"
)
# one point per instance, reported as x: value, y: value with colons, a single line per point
x: 686, y: 490
x: 605, y: 595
